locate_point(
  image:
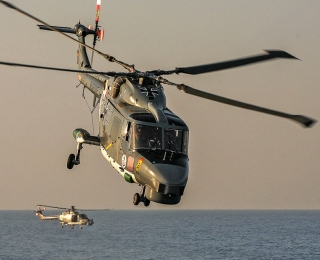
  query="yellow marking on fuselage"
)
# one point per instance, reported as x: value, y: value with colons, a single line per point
x: 108, y: 146
x: 139, y: 164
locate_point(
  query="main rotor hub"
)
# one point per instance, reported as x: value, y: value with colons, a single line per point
x: 81, y: 30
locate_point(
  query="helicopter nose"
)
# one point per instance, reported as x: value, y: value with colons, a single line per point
x: 169, y: 179
x: 167, y: 173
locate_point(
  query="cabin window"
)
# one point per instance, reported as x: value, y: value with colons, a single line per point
x: 124, y: 129
x: 127, y: 132
x: 176, y: 140
x: 146, y: 137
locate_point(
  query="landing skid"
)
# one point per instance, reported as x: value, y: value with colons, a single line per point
x: 140, y: 197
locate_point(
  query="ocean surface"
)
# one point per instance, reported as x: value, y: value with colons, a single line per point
x: 169, y: 234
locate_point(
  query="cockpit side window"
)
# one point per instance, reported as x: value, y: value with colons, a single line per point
x: 147, y: 137
x: 175, y: 121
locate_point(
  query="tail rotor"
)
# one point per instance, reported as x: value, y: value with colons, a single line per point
x: 39, y: 211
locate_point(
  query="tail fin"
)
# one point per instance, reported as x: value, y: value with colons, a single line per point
x: 40, y: 215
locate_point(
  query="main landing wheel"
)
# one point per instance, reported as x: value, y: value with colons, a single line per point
x: 136, y: 199
x: 70, y: 162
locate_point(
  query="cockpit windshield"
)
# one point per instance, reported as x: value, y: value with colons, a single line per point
x: 176, y: 140
x: 147, y: 137
x: 151, y: 137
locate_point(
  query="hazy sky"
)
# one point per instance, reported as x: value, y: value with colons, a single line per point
x: 238, y: 159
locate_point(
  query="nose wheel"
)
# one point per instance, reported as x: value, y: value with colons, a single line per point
x: 74, y: 159
x: 137, y: 198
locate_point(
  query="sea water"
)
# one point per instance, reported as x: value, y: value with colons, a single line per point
x: 165, y: 234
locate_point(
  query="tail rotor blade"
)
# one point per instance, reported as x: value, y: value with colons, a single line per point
x: 97, y: 31
x: 98, y: 10
x: 100, y: 34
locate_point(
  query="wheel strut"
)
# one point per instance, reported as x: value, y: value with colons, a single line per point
x: 77, y: 159
x: 142, y: 191
x: 140, y: 197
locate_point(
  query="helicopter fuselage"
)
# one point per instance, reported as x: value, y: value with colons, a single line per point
x: 73, y: 218
x: 138, y: 135
x: 144, y: 140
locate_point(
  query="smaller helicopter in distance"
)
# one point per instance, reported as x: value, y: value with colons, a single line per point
x: 69, y: 217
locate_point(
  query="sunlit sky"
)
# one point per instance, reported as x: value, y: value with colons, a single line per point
x: 239, y: 159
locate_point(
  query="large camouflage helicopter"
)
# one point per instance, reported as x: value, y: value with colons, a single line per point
x: 71, y: 217
x: 139, y: 135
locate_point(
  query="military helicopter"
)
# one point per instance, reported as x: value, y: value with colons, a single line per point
x: 139, y: 135
x: 40, y: 215
x: 70, y: 217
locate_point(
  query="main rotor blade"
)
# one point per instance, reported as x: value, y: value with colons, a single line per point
x: 59, y: 69
x: 305, y: 121
x: 93, y: 209
x: 194, y: 70
x: 52, y: 207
